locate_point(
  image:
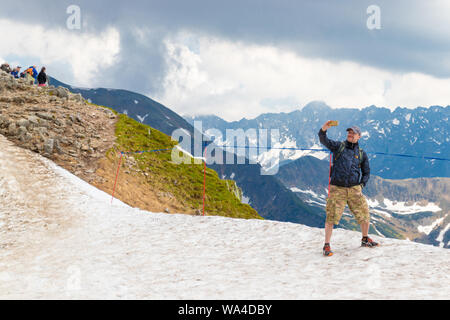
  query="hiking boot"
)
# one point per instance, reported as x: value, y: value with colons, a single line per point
x: 327, y: 250
x: 367, y: 242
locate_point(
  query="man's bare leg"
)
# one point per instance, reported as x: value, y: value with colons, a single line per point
x: 365, y: 228
x: 328, y: 231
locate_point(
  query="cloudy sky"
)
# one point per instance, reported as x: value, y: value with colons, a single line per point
x: 240, y: 58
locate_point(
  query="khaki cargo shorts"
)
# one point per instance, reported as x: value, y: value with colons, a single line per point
x: 339, y: 197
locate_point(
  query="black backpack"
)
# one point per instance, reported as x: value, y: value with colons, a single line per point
x: 341, y: 149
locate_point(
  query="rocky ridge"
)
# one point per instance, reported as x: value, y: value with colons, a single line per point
x: 57, y: 124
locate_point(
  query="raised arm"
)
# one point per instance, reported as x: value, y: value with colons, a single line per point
x: 330, y: 144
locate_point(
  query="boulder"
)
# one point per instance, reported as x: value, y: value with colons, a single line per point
x: 26, y: 137
x: 46, y: 116
x: 33, y: 120
x: 4, y: 121
x: 62, y: 92
x: 48, y: 146
x: 58, y: 147
x: 43, y: 123
x: 12, y: 129
x: 78, y: 97
x: 23, y: 123
x: 22, y: 131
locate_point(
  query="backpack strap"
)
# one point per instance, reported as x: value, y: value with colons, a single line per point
x: 339, y: 152
x: 360, y: 156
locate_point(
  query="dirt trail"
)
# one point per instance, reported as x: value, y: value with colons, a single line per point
x: 32, y: 199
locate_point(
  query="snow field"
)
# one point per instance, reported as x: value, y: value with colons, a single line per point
x: 82, y: 247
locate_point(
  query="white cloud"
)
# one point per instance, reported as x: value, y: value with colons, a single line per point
x: 85, y: 53
x: 234, y: 79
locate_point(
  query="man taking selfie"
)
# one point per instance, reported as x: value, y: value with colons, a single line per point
x: 350, y: 173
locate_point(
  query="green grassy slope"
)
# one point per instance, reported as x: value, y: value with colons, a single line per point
x: 184, y: 181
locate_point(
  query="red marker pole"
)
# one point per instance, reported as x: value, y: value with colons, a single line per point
x: 204, y: 180
x: 329, y: 177
x: 117, y: 174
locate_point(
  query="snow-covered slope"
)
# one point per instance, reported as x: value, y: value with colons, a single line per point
x: 61, y: 238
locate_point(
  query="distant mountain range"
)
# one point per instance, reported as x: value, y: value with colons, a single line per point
x: 419, y: 131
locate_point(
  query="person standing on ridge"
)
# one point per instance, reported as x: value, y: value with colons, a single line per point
x: 42, y: 78
x: 15, y: 73
x: 31, y: 74
x: 346, y: 184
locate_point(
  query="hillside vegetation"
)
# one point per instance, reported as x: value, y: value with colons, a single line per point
x: 182, y: 181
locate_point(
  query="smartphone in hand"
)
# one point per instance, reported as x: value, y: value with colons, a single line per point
x: 333, y: 123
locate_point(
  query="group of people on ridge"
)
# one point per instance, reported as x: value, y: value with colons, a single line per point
x: 30, y: 74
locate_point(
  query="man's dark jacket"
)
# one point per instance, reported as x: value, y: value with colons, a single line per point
x: 346, y: 171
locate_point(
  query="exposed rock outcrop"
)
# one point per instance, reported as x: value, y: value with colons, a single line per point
x: 55, y: 123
